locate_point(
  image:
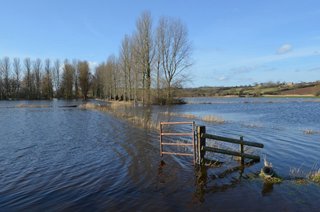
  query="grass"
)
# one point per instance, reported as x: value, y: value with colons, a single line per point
x: 302, y: 178
x: 310, y: 132
x: 32, y: 106
x: 296, y: 173
x: 273, y: 180
x: 182, y: 115
x: 118, y: 110
x: 88, y: 106
x: 213, y: 119
x: 117, y: 104
x: 207, y: 118
x: 315, y: 176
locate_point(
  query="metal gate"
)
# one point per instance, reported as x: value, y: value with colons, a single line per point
x: 180, y: 134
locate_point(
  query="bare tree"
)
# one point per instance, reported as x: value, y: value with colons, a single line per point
x: 67, y: 80
x: 37, y: 65
x: 112, y: 77
x: 175, y: 50
x: 47, y: 87
x: 76, y: 78
x: 145, y: 50
x: 17, y: 72
x: 126, y: 63
x: 28, y: 79
x: 5, y: 69
x: 84, y: 78
x: 100, y: 81
x: 56, y: 77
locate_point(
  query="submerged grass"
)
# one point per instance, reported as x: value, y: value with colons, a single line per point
x: 273, y: 180
x: 300, y: 177
x: 32, y: 106
x: 315, y: 176
x: 208, y: 118
x: 213, y: 119
x: 310, y: 132
x: 124, y: 111
x: 182, y: 115
x: 88, y: 106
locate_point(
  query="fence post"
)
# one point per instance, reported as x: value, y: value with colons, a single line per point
x: 201, y: 142
x: 241, y: 151
x: 161, y: 139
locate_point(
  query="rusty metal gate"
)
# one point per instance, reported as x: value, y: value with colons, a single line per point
x: 180, y: 134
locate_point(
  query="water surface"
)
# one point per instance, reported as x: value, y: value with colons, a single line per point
x: 63, y: 158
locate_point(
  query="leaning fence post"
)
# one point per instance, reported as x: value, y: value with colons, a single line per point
x: 241, y: 150
x: 201, y: 130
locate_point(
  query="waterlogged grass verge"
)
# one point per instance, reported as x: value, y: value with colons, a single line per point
x: 274, y: 180
x: 315, y: 176
x: 301, y: 177
x: 32, y: 106
x: 89, y: 105
x: 213, y: 119
x: 182, y: 115
x: 207, y: 118
x: 122, y: 110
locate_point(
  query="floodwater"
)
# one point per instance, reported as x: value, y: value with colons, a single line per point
x: 65, y: 158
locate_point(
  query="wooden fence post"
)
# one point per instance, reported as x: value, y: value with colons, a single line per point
x: 201, y: 142
x: 161, y: 139
x: 241, y: 151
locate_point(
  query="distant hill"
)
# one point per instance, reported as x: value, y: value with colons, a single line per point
x: 263, y: 89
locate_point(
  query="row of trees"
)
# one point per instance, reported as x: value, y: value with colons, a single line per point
x: 151, y: 62
x: 28, y: 79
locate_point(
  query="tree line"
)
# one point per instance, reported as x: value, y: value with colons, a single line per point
x: 37, y: 79
x: 149, y: 65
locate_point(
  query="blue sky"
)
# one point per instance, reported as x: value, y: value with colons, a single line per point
x: 234, y: 42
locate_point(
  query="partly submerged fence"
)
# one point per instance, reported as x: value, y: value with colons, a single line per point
x: 199, y: 145
x: 202, y: 146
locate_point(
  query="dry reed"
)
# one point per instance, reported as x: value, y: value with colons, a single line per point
x: 32, y: 106
x: 310, y: 132
x: 182, y: 115
x: 315, y: 176
x: 213, y: 119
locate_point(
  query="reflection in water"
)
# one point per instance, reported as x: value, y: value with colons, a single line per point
x: 160, y: 172
x: 267, y: 188
x: 201, y: 177
x: 208, y: 183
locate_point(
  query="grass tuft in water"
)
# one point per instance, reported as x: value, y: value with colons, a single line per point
x: 315, y: 176
x: 182, y: 115
x: 88, y: 106
x: 32, y: 106
x: 213, y: 119
x: 310, y: 132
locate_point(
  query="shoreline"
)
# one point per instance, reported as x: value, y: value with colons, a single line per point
x: 263, y: 96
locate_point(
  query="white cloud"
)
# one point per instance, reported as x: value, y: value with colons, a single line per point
x: 223, y: 78
x: 285, y: 48
x: 298, y: 53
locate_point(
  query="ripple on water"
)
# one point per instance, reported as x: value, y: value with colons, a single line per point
x: 71, y: 159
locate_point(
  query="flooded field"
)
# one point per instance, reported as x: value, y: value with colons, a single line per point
x: 54, y: 157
